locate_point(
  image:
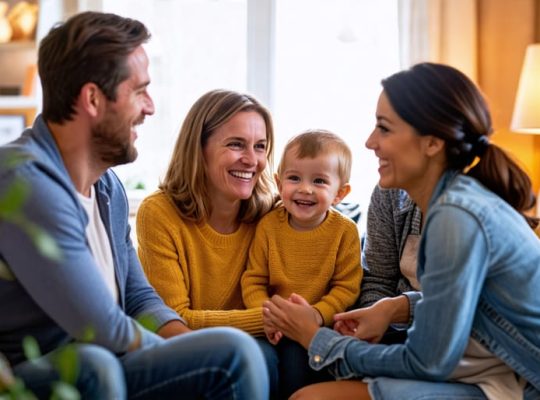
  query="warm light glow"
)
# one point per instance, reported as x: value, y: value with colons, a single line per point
x: 526, y: 117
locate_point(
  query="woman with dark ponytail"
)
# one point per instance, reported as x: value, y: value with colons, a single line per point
x: 474, y: 327
x: 438, y: 100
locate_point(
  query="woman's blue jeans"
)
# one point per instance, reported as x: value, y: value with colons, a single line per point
x: 390, y: 389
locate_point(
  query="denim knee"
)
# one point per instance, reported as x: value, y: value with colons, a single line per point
x: 249, y: 370
x: 217, y: 363
x: 246, y: 352
x: 244, y: 360
x: 101, y: 375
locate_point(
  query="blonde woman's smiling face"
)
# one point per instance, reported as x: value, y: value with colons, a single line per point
x: 235, y: 157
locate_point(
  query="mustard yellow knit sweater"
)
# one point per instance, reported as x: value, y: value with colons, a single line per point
x: 322, y: 265
x: 195, y: 270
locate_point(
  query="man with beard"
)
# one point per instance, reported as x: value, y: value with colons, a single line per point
x: 86, y: 288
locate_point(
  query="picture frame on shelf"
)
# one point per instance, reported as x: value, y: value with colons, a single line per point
x: 13, y: 122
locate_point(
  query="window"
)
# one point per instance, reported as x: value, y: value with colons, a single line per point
x: 330, y: 58
x: 315, y: 63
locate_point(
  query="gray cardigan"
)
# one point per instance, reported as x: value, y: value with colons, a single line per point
x: 392, y: 216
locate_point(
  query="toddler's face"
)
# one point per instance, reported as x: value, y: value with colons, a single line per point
x: 308, y: 187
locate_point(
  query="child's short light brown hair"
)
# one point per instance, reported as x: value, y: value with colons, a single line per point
x: 314, y: 142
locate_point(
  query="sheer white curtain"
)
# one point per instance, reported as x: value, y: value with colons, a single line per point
x: 439, y: 31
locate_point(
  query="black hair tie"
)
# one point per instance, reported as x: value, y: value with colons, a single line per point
x: 481, y: 145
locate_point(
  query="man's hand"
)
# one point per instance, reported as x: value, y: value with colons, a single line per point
x: 172, y: 328
x: 167, y: 330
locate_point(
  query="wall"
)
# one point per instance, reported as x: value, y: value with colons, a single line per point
x: 505, y: 28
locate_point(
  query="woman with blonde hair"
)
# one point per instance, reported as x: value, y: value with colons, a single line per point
x: 194, y: 233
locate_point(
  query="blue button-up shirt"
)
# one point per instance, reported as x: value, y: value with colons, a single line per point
x: 57, y: 301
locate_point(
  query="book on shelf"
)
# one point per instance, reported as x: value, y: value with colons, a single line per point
x: 10, y: 90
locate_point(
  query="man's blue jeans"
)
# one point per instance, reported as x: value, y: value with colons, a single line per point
x: 212, y: 363
x: 215, y: 363
x: 100, y: 374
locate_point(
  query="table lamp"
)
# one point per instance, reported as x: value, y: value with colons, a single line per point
x: 526, y: 116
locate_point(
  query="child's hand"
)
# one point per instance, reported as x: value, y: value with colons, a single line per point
x: 273, y: 335
x: 298, y: 322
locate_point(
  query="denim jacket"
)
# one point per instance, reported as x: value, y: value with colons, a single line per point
x: 56, y: 301
x: 479, y: 267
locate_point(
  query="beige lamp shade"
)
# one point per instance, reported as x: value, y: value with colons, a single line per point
x: 526, y: 117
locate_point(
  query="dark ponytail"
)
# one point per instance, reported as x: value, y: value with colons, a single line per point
x: 500, y: 174
x: 439, y: 100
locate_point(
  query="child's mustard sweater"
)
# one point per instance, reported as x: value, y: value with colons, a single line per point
x: 322, y: 265
x: 195, y: 270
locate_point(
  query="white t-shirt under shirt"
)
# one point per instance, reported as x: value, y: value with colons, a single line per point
x: 98, y: 240
x: 478, y: 365
x: 496, y: 379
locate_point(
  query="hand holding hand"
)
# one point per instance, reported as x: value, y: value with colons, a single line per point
x: 296, y: 319
x: 273, y: 335
x: 297, y: 299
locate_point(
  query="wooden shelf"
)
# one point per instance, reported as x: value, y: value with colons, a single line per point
x: 18, y: 45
